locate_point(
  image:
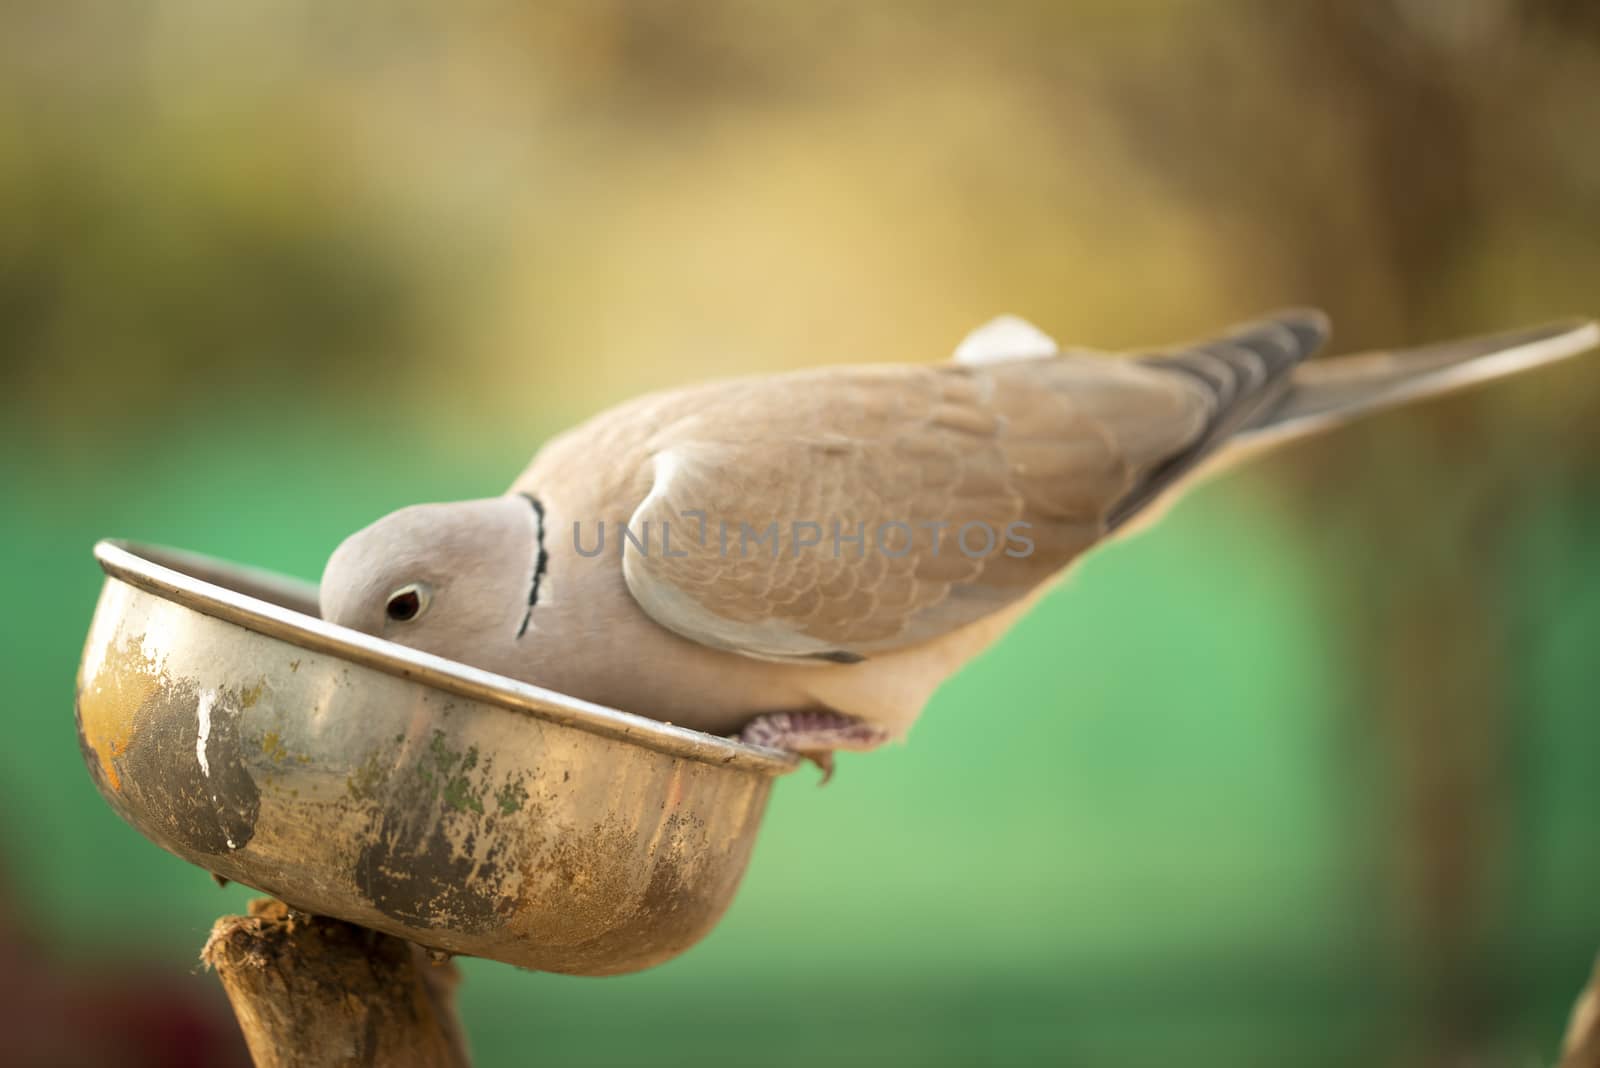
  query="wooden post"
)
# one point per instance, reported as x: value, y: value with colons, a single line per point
x: 311, y: 991
x: 1581, y: 1047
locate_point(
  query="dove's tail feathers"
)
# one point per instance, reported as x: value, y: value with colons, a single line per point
x: 1329, y: 393
x: 1247, y: 371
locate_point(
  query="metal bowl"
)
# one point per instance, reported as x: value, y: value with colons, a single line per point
x: 356, y: 778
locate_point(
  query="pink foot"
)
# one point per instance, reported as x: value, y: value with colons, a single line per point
x: 814, y: 735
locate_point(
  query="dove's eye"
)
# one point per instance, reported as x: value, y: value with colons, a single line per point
x: 407, y: 603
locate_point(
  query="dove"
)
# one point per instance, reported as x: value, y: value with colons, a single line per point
x: 800, y: 560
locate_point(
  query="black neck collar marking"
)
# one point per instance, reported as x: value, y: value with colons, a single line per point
x: 539, y: 563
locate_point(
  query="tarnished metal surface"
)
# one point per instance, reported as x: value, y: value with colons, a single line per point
x: 362, y: 780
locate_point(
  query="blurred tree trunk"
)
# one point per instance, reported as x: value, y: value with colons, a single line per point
x: 1407, y: 104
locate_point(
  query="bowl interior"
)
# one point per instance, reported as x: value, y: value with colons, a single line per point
x: 286, y: 608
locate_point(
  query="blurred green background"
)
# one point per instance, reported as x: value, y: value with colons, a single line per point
x: 1307, y: 775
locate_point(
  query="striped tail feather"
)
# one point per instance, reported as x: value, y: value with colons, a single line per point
x: 1248, y: 370
x: 1328, y: 393
x: 1267, y: 396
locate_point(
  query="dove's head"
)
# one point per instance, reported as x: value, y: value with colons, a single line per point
x: 453, y: 579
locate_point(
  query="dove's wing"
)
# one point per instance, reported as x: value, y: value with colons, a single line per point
x: 843, y: 513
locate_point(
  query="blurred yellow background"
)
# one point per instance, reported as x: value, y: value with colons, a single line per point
x: 1305, y: 776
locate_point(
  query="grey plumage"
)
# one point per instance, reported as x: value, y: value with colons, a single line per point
x: 1068, y: 447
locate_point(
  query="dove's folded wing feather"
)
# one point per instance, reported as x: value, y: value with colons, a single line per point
x: 766, y: 486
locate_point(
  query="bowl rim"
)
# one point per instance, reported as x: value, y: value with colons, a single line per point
x: 160, y: 571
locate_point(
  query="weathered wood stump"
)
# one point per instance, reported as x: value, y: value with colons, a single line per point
x: 311, y: 992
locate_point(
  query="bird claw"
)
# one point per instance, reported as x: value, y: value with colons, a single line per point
x: 813, y: 735
x: 823, y: 759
